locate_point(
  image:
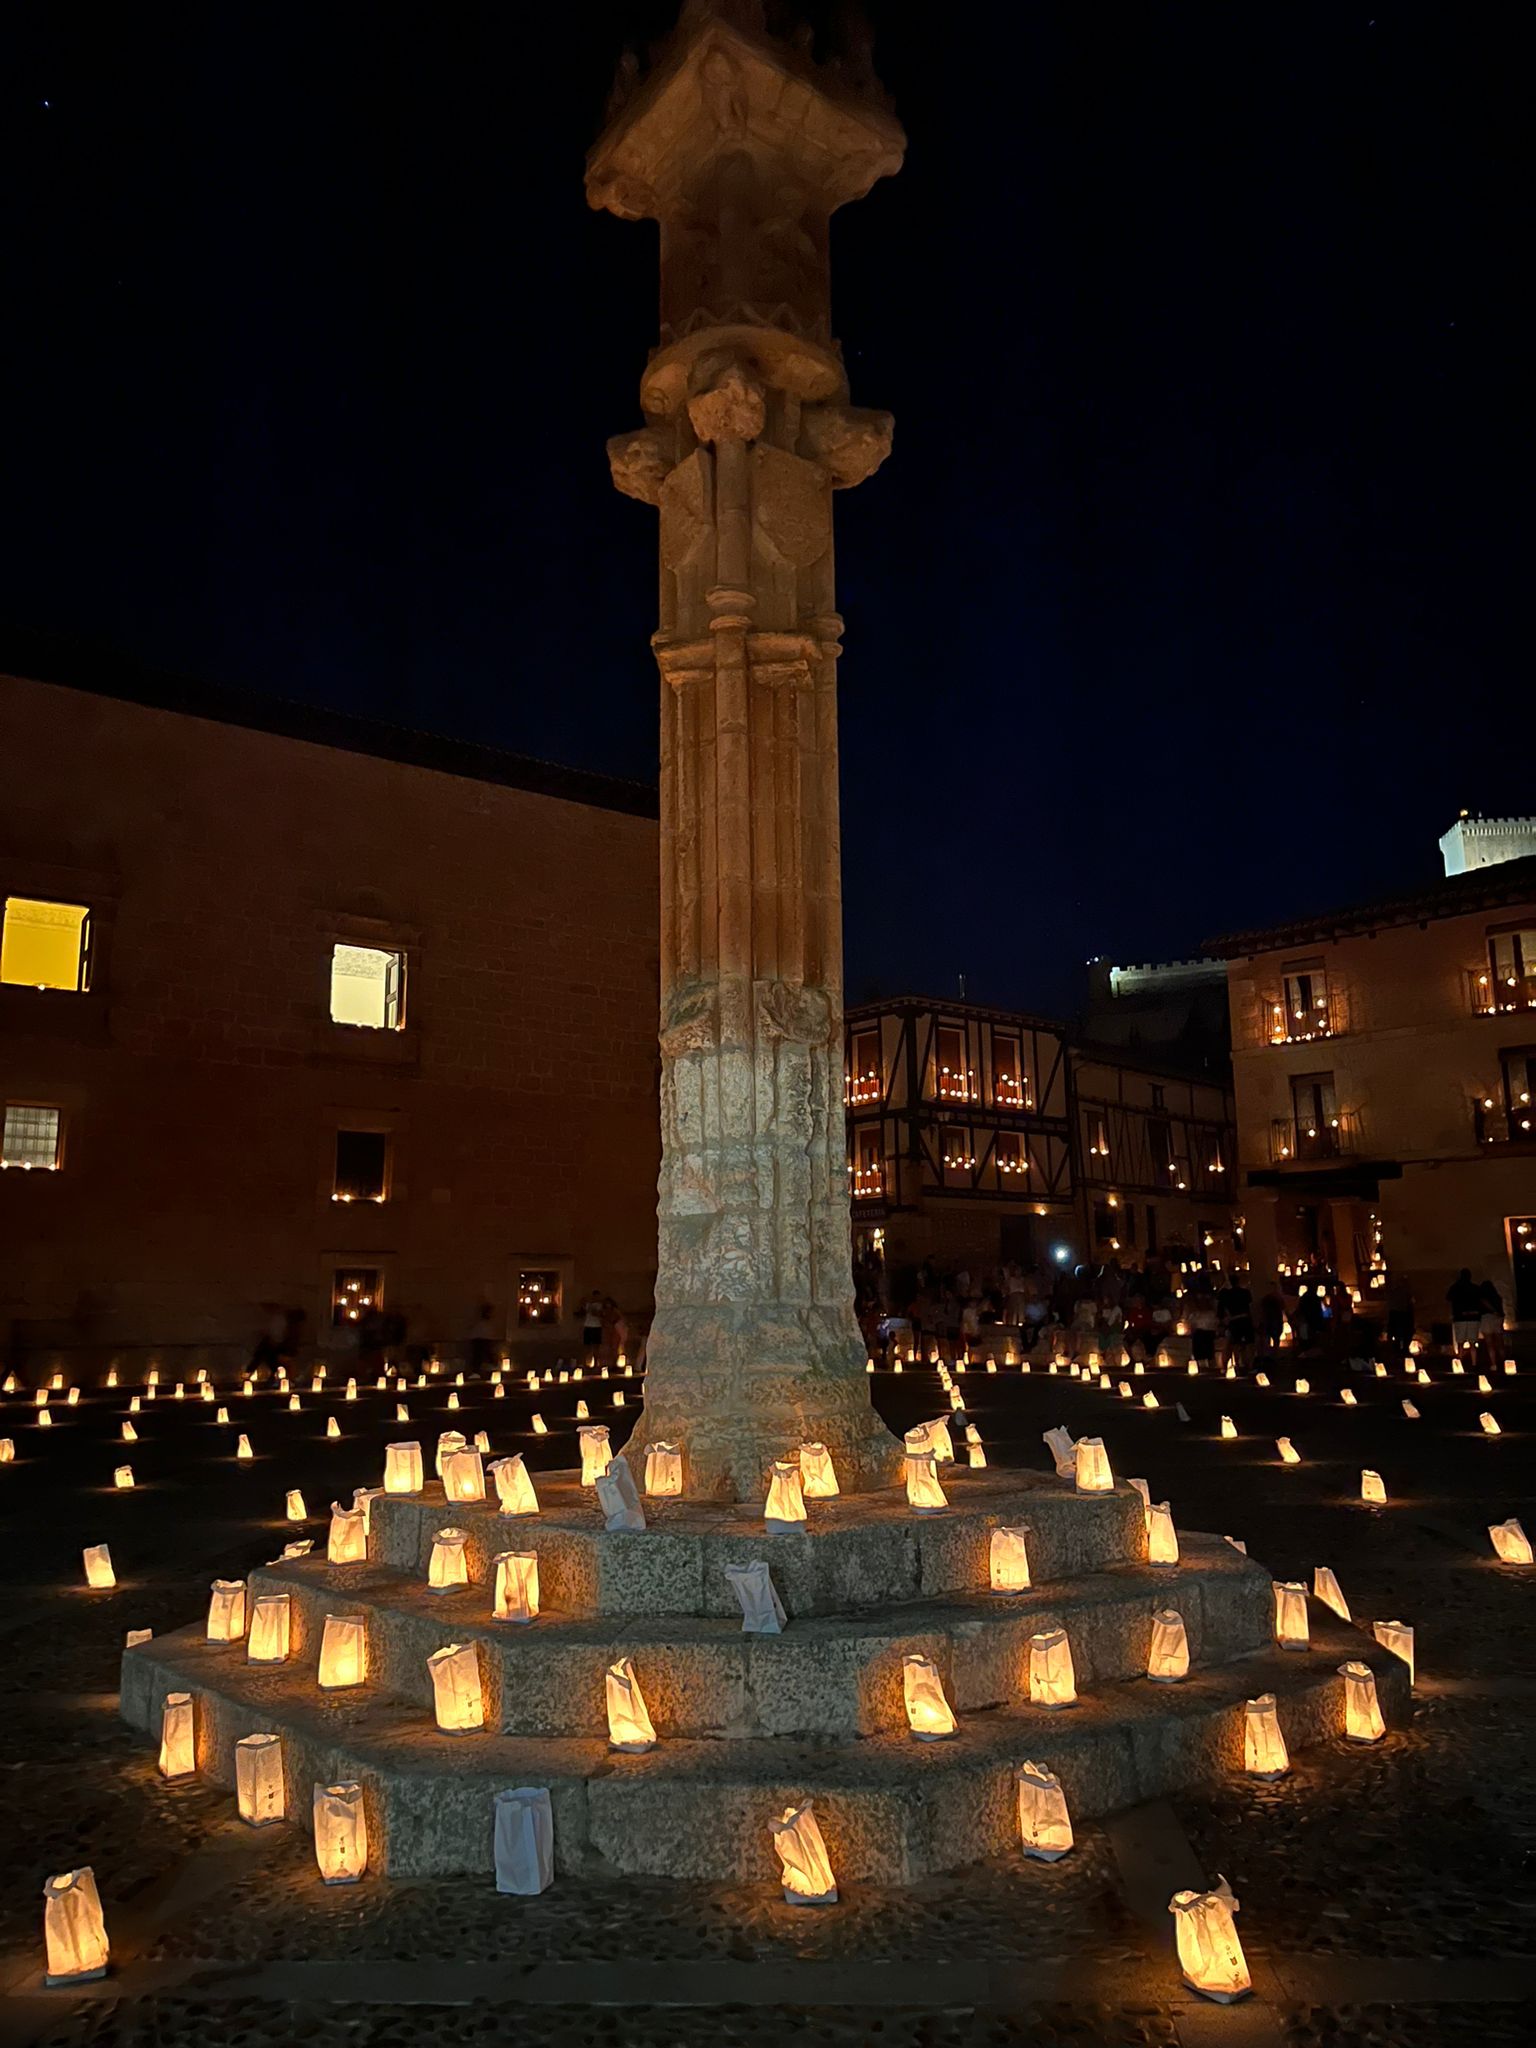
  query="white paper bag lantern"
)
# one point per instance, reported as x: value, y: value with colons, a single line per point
x: 1091, y: 1470
x: 332, y: 1427
x: 663, y: 1472
x: 1211, y: 1958
x: 243, y: 1449
x: 458, y: 1697
x: 74, y: 1929
x: 128, y: 1433
x: 762, y: 1612
x: 1487, y: 1424
x: 98, y: 1567
x: 1162, y: 1539
x: 449, y: 1440
x: 463, y: 1476
x: 1292, y: 1630
x: 618, y: 1498
x: 1325, y: 1587
x: 1228, y: 1427
x: 7, y: 1450
x: 1362, y: 1711
x: 135, y: 1636
x: 222, y: 1415
x: 347, y: 1538
x: 226, y: 1611
x: 351, y: 1391
x: 447, y: 1567
x: 1168, y: 1656
x: 784, y: 1511
x: 1045, y: 1828
x: 341, y: 1833
x: 453, y: 1400
x: 122, y: 1477
x: 1052, y: 1681
x: 925, y: 1496
x: 1510, y: 1541
x: 1261, y: 1379
x: 402, y: 1413
x: 516, y: 1585
x: 1410, y: 1413
x: 1289, y: 1455
x: 482, y: 1444
x: 930, y: 1717
x: 806, y: 1871
x: 1347, y: 1396
x: 1372, y: 1491
x: 1264, y: 1752
x: 1009, y: 1560
x: 629, y: 1724
x: 1303, y: 1386
x: 595, y: 1456
x: 538, y: 1425
x: 523, y: 1841
x: 363, y: 1498
x: 295, y: 1405
x: 1063, y: 1450
x: 343, y: 1652
x: 267, y: 1642
x: 514, y: 1488
x: 583, y: 1413
x: 297, y: 1512
x: 178, y: 1740
x: 1397, y: 1637
x: 402, y: 1468
x: 818, y: 1480
x: 260, y: 1795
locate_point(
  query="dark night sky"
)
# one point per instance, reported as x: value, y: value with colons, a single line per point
x: 1186, y: 598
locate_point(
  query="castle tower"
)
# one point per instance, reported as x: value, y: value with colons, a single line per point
x: 742, y: 149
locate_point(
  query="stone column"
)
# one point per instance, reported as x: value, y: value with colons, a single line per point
x: 741, y: 150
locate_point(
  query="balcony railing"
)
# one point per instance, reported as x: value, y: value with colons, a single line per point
x: 1327, y: 1017
x: 1497, y: 1126
x: 868, y: 1182
x: 1335, y: 1137
x: 956, y: 1084
x: 861, y: 1088
x: 1492, y: 995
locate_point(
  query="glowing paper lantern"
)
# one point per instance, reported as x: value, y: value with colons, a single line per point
x: 1091, y: 1467
x: 449, y: 1441
x: 267, y: 1642
x: 1063, y: 1451
x: 1289, y: 1455
x: 222, y: 1415
x: 482, y: 1443
x: 929, y: 1714
x: 122, y: 1476
x: 458, y: 1698
x: 1510, y: 1541
x: 74, y: 1929
x: 341, y: 1833
x: 351, y: 1391
x: 297, y: 1512
x: 1292, y: 1630
x: 629, y: 1724
x: 1045, y: 1828
x: 595, y: 1456
x: 402, y: 1413
x: 347, y: 1539
x: 98, y: 1567
x: 538, y: 1425
x: 1372, y: 1492
x: 1347, y: 1396
x: 784, y: 1512
x: 618, y: 1498
x: 343, y: 1652
x: 243, y: 1449
x: 762, y: 1611
x: 1162, y: 1540
x: 135, y: 1636
x: 583, y: 1413
x: 925, y: 1496
x: 1325, y: 1587
x: 1397, y: 1637
x: 805, y: 1870
x: 463, y: 1476
x: 1410, y: 1413
x: 1303, y: 1386
x: 129, y: 1434
x: 363, y: 1498
x: 1228, y: 1427
x: 1211, y: 1958
x: 1487, y: 1425
x: 818, y: 1479
x: 1149, y: 1399
x: 1261, y: 1379
x: 1264, y: 1752
x: 1168, y: 1656
x: 178, y: 1746
x: 514, y: 1488
x: 453, y: 1400
x: 664, y: 1472
x: 226, y: 1611
x: 1010, y: 1560
x: 402, y: 1468
x: 260, y: 1795
x: 1052, y: 1681
x: 1362, y: 1711
x: 295, y: 1405
x: 516, y: 1586
x: 447, y: 1568
x: 7, y: 1450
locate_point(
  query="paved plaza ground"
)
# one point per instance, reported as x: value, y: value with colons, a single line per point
x: 1388, y: 1895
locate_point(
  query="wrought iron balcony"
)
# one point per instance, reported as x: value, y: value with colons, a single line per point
x: 1492, y: 995
x: 1292, y: 1140
x: 1326, y: 1017
x: 1496, y: 1125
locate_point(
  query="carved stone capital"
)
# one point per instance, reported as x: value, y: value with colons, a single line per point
x: 732, y: 409
x: 639, y: 462
x: 849, y: 441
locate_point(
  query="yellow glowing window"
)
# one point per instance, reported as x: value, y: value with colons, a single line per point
x: 31, y: 1137
x: 46, y: 945
x: 368, y: 988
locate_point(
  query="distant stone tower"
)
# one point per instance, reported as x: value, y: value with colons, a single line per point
x: 742, y: 148
x: 1486, y: 842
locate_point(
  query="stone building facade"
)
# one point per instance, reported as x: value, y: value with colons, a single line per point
x: 328, y: 1012
x: 1384, y: 1059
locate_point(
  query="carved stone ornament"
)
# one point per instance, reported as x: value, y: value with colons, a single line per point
x: 849, y: 441
x: 731, y: 409
x: 639, y: 463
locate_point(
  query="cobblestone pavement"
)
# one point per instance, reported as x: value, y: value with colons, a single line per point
x: 1421, y: 1849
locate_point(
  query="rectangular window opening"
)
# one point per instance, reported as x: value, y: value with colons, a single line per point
x: 368, y: 987
x: 46, y: 945
x: 33, y: 1137
x: 355, y: 1290
x: 538, y: 1299
x: 362, y: 1162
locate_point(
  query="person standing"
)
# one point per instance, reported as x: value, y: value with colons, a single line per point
x: 1490, y: 1324
x: 592, y: 1323
x: 1467, y: 1305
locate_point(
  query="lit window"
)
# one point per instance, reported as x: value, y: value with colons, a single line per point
x: 354, y: 1292
x: 32, y: 1136
x: 1012, y: 1160
x: 46, y: 945
x: 538, y: 1298
x: 863, y: 1081
x: 361, y: 1159
x: 368, y: 988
